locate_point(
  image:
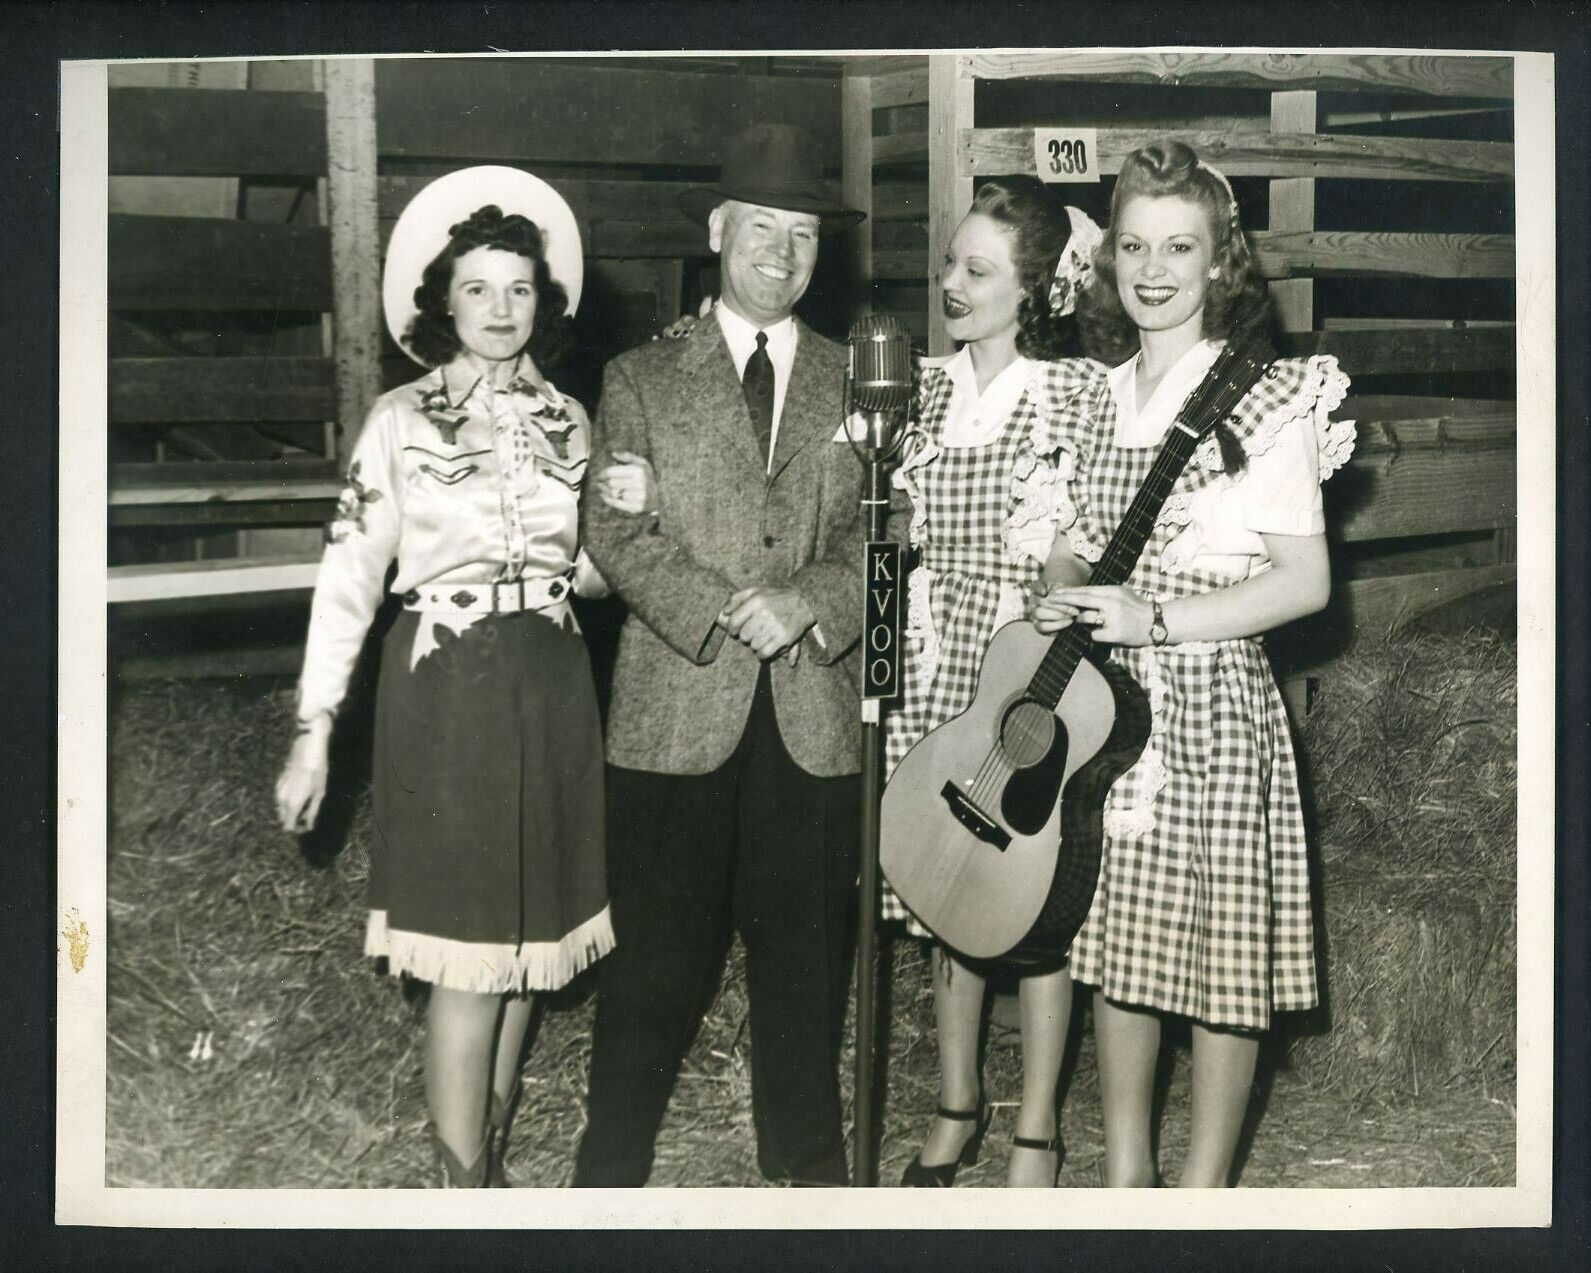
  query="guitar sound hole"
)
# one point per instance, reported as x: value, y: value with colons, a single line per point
x: 1026, y: 732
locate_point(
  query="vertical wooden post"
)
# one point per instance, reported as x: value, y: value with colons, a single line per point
x: 1293, y: 208
x: 949, y: 189
x: 856, y: 183
x: 355, y: 245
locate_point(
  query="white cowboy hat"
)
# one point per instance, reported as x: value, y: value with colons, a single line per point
x: 422, y: 232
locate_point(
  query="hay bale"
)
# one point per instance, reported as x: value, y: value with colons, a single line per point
x: 1410, y: 753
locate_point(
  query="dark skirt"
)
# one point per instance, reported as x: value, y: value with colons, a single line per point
x: 487, y: 869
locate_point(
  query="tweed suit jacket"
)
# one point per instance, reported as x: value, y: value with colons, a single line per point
x: 681, y: 698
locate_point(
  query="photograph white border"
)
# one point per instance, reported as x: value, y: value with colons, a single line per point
x: 82, y: 1196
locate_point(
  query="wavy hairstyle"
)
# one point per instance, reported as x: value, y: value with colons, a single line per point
x: 1237, y: 301
x: 1040, y: 230
x: 433, y: 336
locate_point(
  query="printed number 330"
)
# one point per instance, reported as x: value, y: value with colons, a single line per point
x: 1068, y: 156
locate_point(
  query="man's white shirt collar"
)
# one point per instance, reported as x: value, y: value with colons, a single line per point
x: 740, y: 335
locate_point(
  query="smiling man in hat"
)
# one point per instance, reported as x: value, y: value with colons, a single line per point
x: 732, y: 737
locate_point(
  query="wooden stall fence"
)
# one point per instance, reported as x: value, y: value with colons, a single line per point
x: 1424, y: 513
x: 223, y: 390
x: 230, y: 464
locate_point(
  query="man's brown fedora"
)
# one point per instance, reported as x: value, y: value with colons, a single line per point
x: 777, y: 166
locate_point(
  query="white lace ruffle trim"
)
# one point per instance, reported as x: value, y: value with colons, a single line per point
x: 1130, y: 810
x: 1324, y: 387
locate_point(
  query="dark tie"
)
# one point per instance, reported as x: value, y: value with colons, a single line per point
x: 757, y: 381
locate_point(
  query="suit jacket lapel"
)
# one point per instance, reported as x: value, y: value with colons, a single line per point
x: 715, y: 389
x: 800, y: 423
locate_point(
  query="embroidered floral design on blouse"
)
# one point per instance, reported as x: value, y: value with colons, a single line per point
x: 350, y: 514
x: 448, y: 416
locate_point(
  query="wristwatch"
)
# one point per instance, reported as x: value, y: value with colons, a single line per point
x: 1157, y: 626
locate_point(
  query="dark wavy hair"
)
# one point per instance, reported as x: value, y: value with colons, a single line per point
x: 1237, y: 301
x: 1040, y: 231
x: 432, y: 334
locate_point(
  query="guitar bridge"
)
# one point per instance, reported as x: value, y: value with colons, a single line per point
x: 975, y: 819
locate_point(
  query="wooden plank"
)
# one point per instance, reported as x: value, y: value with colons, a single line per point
x: 286, y: 478
x: 355, y: 260
x: 1428, y: 76
x: 904, y: 265
x: 201, y: 132
x: 1359, y: 118
x: 483, y: 109
x: 897, y: 236
x: 213, y: 390
x: 950, y: 106
x: 620, y: 240
x: 1377, y: 604
x: 881, y: 64
x: 1278, y: 153
x: 1408, y: 407
x: 226, y: 512
x: 1423, y: 352
x: 899, y: 148
x: 900, y: 88
x: 588, y: 199
x: 1292, y: 207
x: 856, y: 168
x: 1348, y: 323
x: 1423, y: 491
x: 225, y: 576
x: 202, y: 263
x: 1283, y: 253
x: 899, y: 201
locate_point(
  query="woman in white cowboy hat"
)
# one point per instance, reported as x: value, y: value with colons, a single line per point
x: 487, y: 873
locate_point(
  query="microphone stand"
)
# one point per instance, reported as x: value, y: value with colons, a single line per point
x: 877, y: 447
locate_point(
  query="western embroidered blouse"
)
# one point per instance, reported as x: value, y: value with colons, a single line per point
x: 459, y: 482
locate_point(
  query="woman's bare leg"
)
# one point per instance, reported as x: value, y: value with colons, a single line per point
x: 1129, y: 1049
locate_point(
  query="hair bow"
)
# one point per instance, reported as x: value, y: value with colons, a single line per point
x: 1076, y: 265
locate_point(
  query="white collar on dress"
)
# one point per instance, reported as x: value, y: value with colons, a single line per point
x: 975, y: 419
x: 1144, y: 426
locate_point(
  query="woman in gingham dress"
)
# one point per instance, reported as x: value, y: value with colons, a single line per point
x: 979, y: 475
x: 1203, y: 907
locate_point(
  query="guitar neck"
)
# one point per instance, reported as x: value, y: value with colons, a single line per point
x: 1228, y: 381
x: 1116, y: 563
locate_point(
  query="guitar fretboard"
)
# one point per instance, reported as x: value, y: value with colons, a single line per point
x: 1224, y: 386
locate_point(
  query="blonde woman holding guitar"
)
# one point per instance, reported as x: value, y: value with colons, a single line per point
x: 978, y: 468
x: 1202, y: 908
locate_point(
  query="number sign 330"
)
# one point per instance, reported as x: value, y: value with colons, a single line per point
x: 1066, y: 154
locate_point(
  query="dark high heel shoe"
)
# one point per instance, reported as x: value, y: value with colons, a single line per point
x: 1052, y: 1146
x: 920, y: 1175
x: 498, y: 1120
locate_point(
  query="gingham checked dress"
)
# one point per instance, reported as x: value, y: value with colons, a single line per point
x: 1203, y: 904
x: 982, y: 522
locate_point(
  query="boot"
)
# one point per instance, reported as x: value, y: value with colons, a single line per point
x: 452, y: 1174
x: 498, y: 1121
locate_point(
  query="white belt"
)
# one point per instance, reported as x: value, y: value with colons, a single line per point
x: 507, y: 596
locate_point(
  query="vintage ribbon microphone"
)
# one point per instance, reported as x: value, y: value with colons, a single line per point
x: 878, y: 393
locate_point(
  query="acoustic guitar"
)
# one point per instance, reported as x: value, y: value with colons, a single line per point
x: 991, y: 826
